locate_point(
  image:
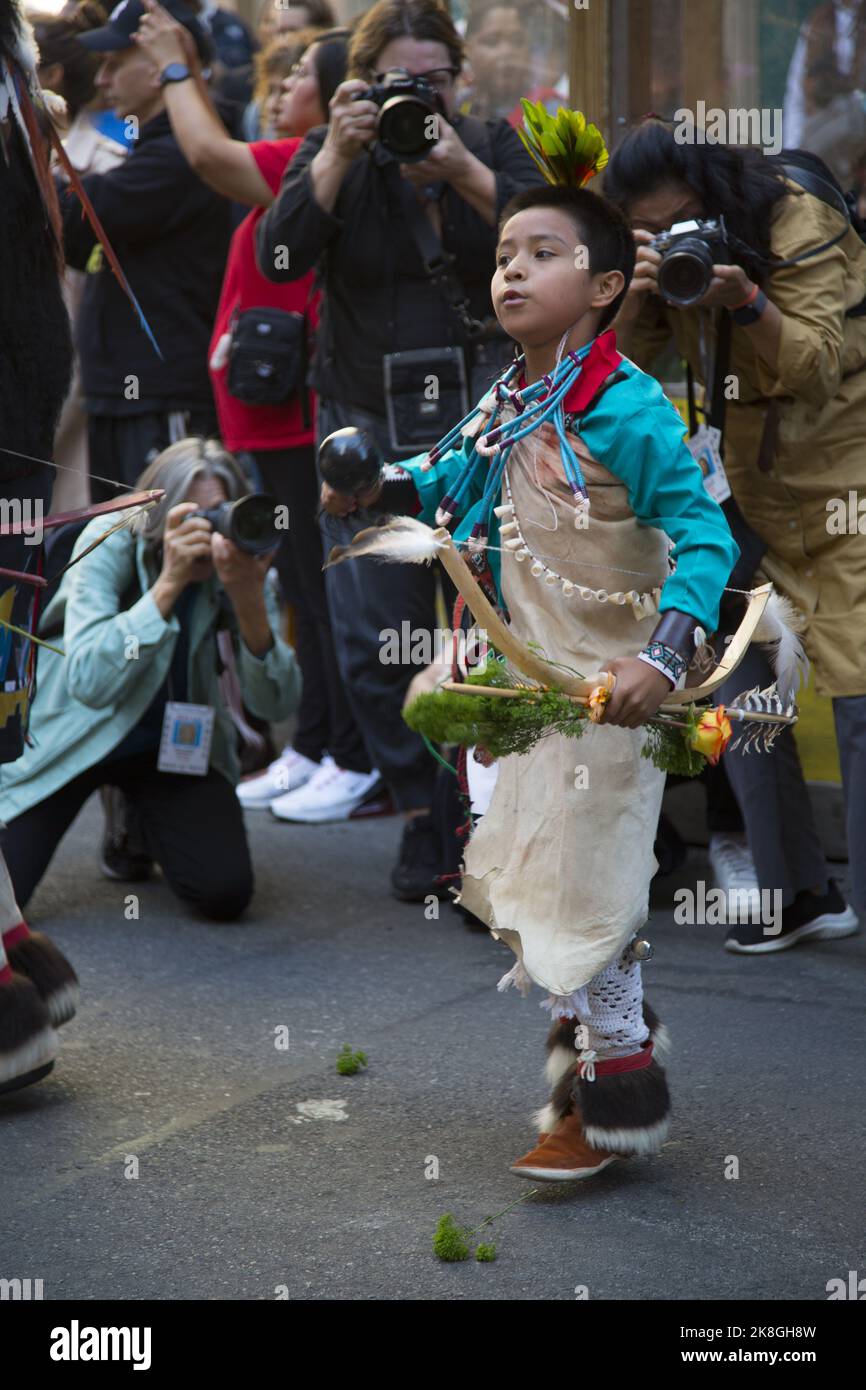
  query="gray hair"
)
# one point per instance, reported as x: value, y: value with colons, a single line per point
x: 176, y: 469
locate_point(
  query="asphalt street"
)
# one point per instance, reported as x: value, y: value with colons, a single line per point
x: 263, y: 1173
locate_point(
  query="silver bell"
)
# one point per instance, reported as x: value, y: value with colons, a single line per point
x: 641, y: 949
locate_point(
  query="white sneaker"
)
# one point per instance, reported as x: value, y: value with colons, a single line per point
x: 734, y: 871
x: 332, y: 793
x: 287, y: 773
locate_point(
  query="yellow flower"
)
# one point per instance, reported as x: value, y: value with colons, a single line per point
x: 712, y: 734
x: 598, y: 699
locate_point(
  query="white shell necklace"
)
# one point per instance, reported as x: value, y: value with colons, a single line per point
x: 643, y: 605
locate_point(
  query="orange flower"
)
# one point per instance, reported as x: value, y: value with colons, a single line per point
x: 712, y: 734
x: 598, y: 699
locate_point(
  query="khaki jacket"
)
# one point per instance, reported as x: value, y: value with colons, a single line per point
x: 812, y: 405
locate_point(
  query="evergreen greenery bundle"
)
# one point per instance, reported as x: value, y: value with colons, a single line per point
x: 505, y: 724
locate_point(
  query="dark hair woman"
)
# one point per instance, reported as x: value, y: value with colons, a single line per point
x: 793, y: 390
x: 350, y: 206
x: 65, y: 66
x: 327, y: 759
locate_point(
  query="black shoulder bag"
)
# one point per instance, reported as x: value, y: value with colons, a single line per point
x: 417, y: 417
x: 268, y: 358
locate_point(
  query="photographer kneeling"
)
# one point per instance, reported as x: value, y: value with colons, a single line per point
x: 141, y: 619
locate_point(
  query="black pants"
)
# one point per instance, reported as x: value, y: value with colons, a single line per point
x: 773, y: 798
x: 121, y: 446
x: 193, y: 828
x: 366, y: 597
x: 325, y: 720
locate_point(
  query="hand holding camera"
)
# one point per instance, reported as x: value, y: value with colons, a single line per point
x: 446, y: 161
x: 186, y: 547
x: 688, y: 264
x: 352, y: 124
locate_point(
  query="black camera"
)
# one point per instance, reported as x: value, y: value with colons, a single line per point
x: 409, y: 113
x: 689, y: 250
x: 250, y: 523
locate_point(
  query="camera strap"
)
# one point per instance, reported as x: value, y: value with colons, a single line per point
x: 437, y: 262
x: 752, y: 547
x: 715, y: 417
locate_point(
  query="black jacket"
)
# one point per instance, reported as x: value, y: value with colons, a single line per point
x: 171, y: 236
x: 35, y: 345
x: 377, y: 296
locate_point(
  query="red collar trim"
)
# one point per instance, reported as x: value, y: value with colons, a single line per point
x: 601, y: 360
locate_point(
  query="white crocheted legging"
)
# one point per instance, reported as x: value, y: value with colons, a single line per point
x: 610, y: 1009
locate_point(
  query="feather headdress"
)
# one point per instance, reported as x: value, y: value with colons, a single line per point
x: 566, y: 149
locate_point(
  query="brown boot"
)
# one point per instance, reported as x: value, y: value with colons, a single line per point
x: 563, y: 1156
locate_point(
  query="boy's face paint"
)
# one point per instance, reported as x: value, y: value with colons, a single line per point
x: 542, y: 285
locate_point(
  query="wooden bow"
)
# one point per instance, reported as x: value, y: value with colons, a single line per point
x: 581, y: 687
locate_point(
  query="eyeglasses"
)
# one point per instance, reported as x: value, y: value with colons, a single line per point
x: 440, y: 78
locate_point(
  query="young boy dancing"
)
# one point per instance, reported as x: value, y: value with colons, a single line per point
x: 574, y: 510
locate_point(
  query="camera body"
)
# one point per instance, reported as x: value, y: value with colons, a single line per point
x: 406, y: 105
x: 689, y: 250
x: 249, y: 523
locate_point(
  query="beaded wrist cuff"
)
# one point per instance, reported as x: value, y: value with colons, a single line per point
x: 666, y: 660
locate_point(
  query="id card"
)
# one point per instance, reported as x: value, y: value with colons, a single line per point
x: 187, y: 731
x: 704, y: 449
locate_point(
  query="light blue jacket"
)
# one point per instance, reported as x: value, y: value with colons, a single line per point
x: 116, y: 660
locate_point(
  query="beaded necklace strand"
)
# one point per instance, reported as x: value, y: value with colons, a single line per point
x: 535, y: 405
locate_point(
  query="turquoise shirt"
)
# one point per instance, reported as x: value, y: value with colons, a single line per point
x: 117, y: 659
x: 637, y: 434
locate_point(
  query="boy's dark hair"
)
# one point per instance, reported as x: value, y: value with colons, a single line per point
x: 600, y: 227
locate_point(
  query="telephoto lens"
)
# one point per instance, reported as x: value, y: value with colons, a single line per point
x: 250, y: 523
x: 406, y: 104
x: 349, y: 461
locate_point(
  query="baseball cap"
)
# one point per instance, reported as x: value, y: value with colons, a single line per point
x: 125, y: 19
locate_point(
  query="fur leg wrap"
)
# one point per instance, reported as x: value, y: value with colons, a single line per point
x: 559, y: 1072
x: 659, y: 1035
x: 626, y: 1106
x: 28, y: 1043
x: 35, y: 956
x: 562, y: 1059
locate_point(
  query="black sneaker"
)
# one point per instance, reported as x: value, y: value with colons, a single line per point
x: 810, y: 916
x: 414, y: 876
x: 123, y: 856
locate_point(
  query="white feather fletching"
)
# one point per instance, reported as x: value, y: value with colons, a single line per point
x: 401, y: 541
x: 778, y: 630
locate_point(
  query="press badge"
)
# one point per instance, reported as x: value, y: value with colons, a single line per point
x: 704, y: 449
x: 187, y: 731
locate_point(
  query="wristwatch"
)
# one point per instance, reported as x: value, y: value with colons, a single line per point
x: 175, y: 72
x: 751, y: 311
